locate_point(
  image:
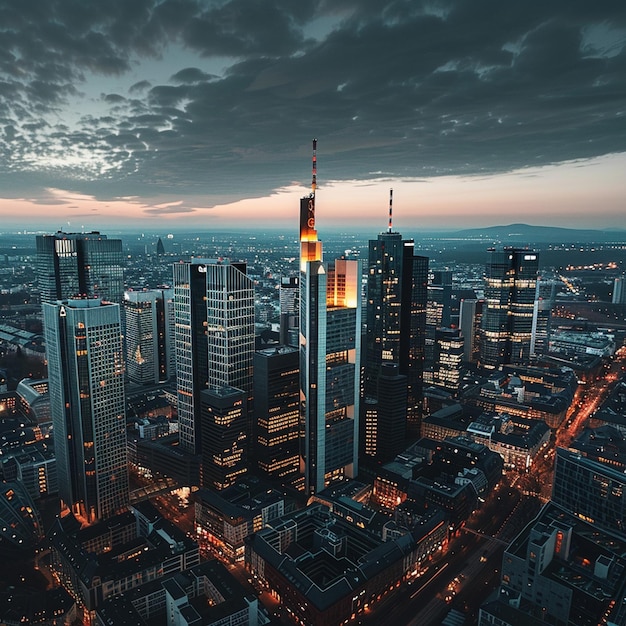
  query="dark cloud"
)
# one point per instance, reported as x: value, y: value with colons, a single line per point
x: 405, y: 87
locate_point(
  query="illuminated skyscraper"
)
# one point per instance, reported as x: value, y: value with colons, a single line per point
x: 150, y: 355
x: 510, y: 283
x: 449, y: 345
x: 330, y: 347
x: 545, y: 297
x: 86, y: 382
x: 438, y: 310
x: 396, y: 316
x: 214, y: 336
x: 277, y: 411
x: 80, y: 264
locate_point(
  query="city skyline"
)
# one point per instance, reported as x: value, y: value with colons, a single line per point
x: 172, y: 115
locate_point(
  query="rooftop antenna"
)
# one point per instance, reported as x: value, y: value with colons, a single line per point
x: 390, y: 209
x: 314, y: 181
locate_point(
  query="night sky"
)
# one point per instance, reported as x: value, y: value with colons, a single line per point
x: 175, y: 113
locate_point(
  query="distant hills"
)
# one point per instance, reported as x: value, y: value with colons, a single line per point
x: 526, y: 233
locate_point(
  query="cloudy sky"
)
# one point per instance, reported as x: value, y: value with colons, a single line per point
x: 177, y: 113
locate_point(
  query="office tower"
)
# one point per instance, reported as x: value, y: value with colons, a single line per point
x: 510, y: 283
x: 470, y: 320
x: 277, y: 412
x: 289, y: 311
x: 384, y: 427
x: 593, y: 488
x: 223, y: 433
x: 449, y: 348
x: 619, y: 290
x: 80, y: 264
x: 86, y: 382
x: 160, y: 248
x: 150, y: 357
x: 545, y: 297
x: 330, y: 347
x: 214, y: 337
x: 438, y: 309
x: 396, y: 316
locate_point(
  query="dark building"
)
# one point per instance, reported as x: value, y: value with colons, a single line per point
x: 223, y: 432
x: 277, y: 412
x: 560, y: 570
x: 448, y: 348
x: 396, y: 317
x: 438, y: 310
x: 510, y: 285
x: 214, y: 337
x: 592, y: 488
x: 470, y: 322
x: 384, y: 427
x: 289, y: 311
x: 150, y: 357
x: 74, y: 264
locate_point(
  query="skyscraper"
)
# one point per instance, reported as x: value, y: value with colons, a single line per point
x: 150, y: 354
x: 289, y: 311
x: 396, y: 316
x: 438, y: 310
x: 470, y: 322
x: 330, y: 347
x: 545, y: 297
x: 214, y: 336
x: 86, y: 374
x: 277, y: 411
x: 80, y: 264
x: 449, y: 344
x: 510, y: 283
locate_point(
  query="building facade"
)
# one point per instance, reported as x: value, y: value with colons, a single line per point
x: 150, y: 357
x: 510, y: 285
x: 396, y: 317
x: 79, y: 264
x: 86, y: 381
x: 330, y: 356
x: 214, y: 337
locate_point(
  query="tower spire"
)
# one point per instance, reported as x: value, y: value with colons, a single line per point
x: 390, y: 209
x: 314, y: 180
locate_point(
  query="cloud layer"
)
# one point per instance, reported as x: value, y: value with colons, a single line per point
x: 400, y: 89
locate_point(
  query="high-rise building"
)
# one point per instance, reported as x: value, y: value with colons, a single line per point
x: 330, y: 355
x: 384, y: 415
x: 80, y: 264
x: 277, y: 412
x: 510, y: 284
x: 214, y: 337
x: 545, y: 297
x: 619, y: 290
x: 592, y: 488
x: 470, y: 321
x: 289, y: 311
x: 150, y: 357
x: 86, y: 383
x: 396, y: 316
x: 223, y: 433
x: 449, y: 347
x: 438, y: 310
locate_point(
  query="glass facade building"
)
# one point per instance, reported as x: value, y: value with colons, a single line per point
x: 87, y: 402
x: 80, y: 264
x: 510, y: 285
x: 214, y: 338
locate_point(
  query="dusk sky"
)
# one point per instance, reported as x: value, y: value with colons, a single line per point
x: 171, y: 114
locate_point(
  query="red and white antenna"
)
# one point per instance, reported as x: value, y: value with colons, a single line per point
x: 390, y: 209
x: 314, y: 181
